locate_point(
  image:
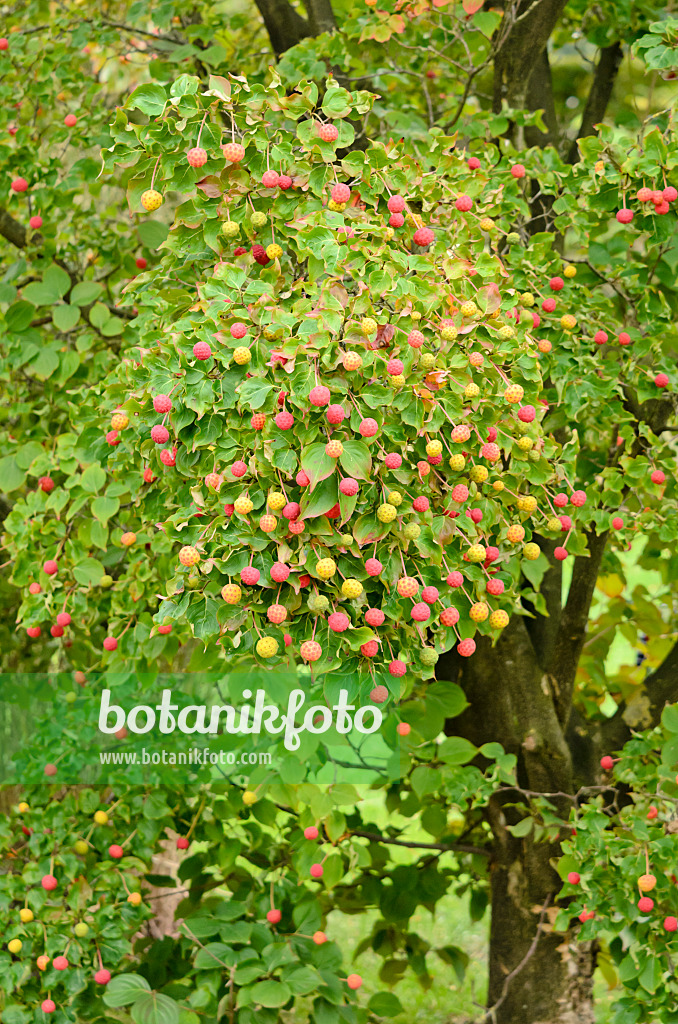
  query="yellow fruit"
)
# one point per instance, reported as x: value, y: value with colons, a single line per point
x: 599, y: 166
x: 434, y: 448
x: 389, y: 234
x: 276, y: 501
x: 498, y: 619
x: 468, y: 308
x: 134, y: 898
x: 336, y: 207
x: 487, y: 224
x: 268, y: 523
x: 249, y: 798
x: 506, y: 332
x: 334, y: 449
x: 42, y: 962
x: 476, y: 553
x: 100, y: 817
x: 498, y: 485
x: 527, y: 503
x: 531, y: 552
x: 553, y: 524
x: 368, y: 326
x: 352, y: 361
x: 544, y: 345
x: 397, y: 380
x: 570, y: 271
x: 242, y: 355
x: 395, y: 498
x: 14, y: 945
x: 326, y: 568
x: 415, y: 315
x: 471, y: 390
x: 26, y: 915
x: 412, y: 531
x: 479, y: 611
x: 273, y: 251
x: 151, y: 200
x: 267, y: 647
x: 457, y: 463
x: 449, y: 333
x: 231, y: 593
x: 23, y: 807
x: 352, y: 588
x: 527, y: 299
x: 242, y: 505
x: 386, y: 513
x: 119, y: 421
x: 189, y: 556
x: 568, y: 321
x: 478, y: 474
x: 646, y: 883
x: 230, y: 228
x: 80, y: 846
x: 515, y: 534
x: 514, y: 393
x: 81, y: 929
x: 427, y: 360
x: 525, y: 444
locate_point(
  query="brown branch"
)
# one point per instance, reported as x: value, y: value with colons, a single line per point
x: 284, y: 25
x: 599, y: 96
x: 320, y: 16
x: 454, y: 847
x: 12, y: 230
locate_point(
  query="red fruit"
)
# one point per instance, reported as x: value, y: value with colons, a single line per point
x: 338, y: 622
x: 617, y: 523
x: 238, y: 330
x: 464, y: 204
x: 536, y: 319
x: 560, y: 553
x: 374, y: 617
x: 369, y: 649
x: 116, y: 851
x: 240, y: 250
x: 671, y: 924
x: 168, y: 456
x: 661, y: 380
x: 354, y: 981
x: 35, y: 588
x: 662, y: 208
x: 341, y: 193
x: 397, y: 668
x: 644, y: 195
x: 652, y: 813
x: 624, y: 216
x: 421, y: 612
x: 46, y: 484
x: 600, y: 337
x: 47, y: 1005
x: 420, y: 504
x: 288, y: 639
x: 393, y: 461
x: 658, y: 477
x: 430, y: 595
x: 311, y: 832
x: 102, y: 977
x: 258, y: 421
x: 466, y: 648
x: 574, y: 878
x: 112, y: 438
x: 238, y: 468
x: 560, y: 500
x: 291, y: 510
x: 670, y: 194
x: 270, y: 179
x: 259, y: 254
x: 556, y: 284
x: 165, y: 628
x: 50, y: 567
x: 449, y: 616
x: 578, y: 498
x: 249, y: 576
x: 328, y: 132
x: 455, y: 579
x: 526, y: 413
x: 415, y: 339
x: 319, y: 938
x: 284, y: 420
x: 548, y: 305
x: 304, y: 580
x: 35, y: 222
x: 491, y: 554
x: 624, y: 338
x: 475, y: 514
x: 403, y: 728
x: 273, y: 916
x: 348, y: 487
x: 56, y: 631
x: 518, y: 171
x: 284, y: 182
x: 110, y: 643
x: 316, y: 871
x: 49, y: 882
x: 379, y: 694
x: 197, y: 156
x: 495, y: 587
x: 396, y: 204
x: 606, y: 763
x: 279, y: 572
x: 159, y: 434
x: 396, y: 220
x: 586, y: 915
x: 394, y: 367
x: 19, y: 185
x: 645, y: 904
x: 183, y: 843
x: 50, y: 769
x: 148, y: 475
x: 141, y: 263
x: 423, y: 237
x: 459, y: 494
x: 34, y: 632
x: 473, y: 163
x: 373, y: 567
x: 4, y: 44
x: 319, y: 395
x: 60, y: 963
x: 162, y: 403
x: 368, y: 427
x: 335, y: 414
x: 201, y: 350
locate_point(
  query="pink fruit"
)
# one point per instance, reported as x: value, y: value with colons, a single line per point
x: 548, y: 305
x: 201, y: 350
x: 624, y: 338
x: 560, y: 500
x: 50, y: 567
x: 658, y: 477
x: 102, y: 977
x: 328, y: 132
x: 473, y: 163
x: 319, y: 395
x: 466, y: 648
x: 421, y: 612
x: 617, y: 523
x: 56, y: 631
x: 46, y: 484
x: 273, y: 916
x: 526, y: 413
x: 423, y: 237
x: 373, y: 567
x: 397, y: 668
x: 197, y: 156
x: 396, y: 220
x: 311, y: 832
x: 338, y: 622
x: 624, y: 216
x: 455, y: 579
x: 670, y: 194
x: 110, y: 643
x: 292, y: 510
x: 19, y: 185
x: 449, y: 616
x: 159, y: 434
x: 112, y: 438
x: 459, y: 494
x: 348, y: 487
x: 420, y: 504
x: 600, y: 337
x: 415, y: 339
x: 368, y: 427
x: 168, y: 456
x: 645, y: 904
x: 35, y: 588
x: 284, y: 420
x: 354, y: 981
x: 141, y: 263
x: 249, y: 576
x: 661, y: 380
x: 63, y: 619
x: 238, y: 330
x: 47, y: 1005
x: 495, y: 587
x: 60, y: 963
x: 369, y: 649
x: 279, y: 572
x: 270, y: 179
x: 560, y: 553
x: 284, y: 182
x: 578, y: 498
x: 335, y: 414
x: 33, y: 632
x: 341, y: 193
x: 518, y: 171
x: 162, y: 403
x: 374, y: 617
x: 671, y: 924
x: 574, y: 878
x: 238, y: 469
x: 35, y: 222
x: 464, y: 204
x: 115, y: 851
x: 393, y: 461
x: 430, y: 595
x: 394, y: 367
x: 607, y: 763
x: 49, y: 883
x: 379, y: 694
x: 316, y: 871
x: 396, y: 204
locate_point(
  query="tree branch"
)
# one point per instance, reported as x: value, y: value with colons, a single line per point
x: 320, y: 16
x: 458, y: 847
x: 284, y: 25
x: 599, y: 96
x: 12, y: 230
x: 531, y: 26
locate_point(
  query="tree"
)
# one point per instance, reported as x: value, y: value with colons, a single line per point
x: 429, y: 377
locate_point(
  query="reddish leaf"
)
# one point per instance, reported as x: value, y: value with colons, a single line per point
x: 471, y: 6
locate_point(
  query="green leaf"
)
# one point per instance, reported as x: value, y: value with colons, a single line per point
x: 123, y: 989
x: 155, y: 1008
x: 150, y: 99
x: 103, y: 508
x: 449, y: 698
x: 215, y: 954
x: 11, y: 476
x: 316, y: 464
x: 650, y: 977
x: 93, y: 479
x: 65, y: 317
x: 86, y: 292
x: 356, y: 460
x: 320, y: 500
x: 45, y: 363
x: 152, y: 233
x: 271, y: 993
x: 88, y: 571
x: 456, y: 750
x: 254, y: 392
x: 57, y: 280
x: 521, y: 828
x: 385, y: 1004
x: 670, y: 718
x: 19, y: 316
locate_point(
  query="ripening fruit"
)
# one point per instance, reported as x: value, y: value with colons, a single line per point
x: 273, y: 916
x: 326, y: 568
x: 19, y: 185
x: 354, y: 981
x: 249, y: 798
x: 41, y: 962
x: 368, y: 326
x: 311, y: 650
x: 334, y: 449
x: 498, y: 619
x: 151, y: 200
x: 646, y: 883
x: 476, y: 553
x: 348, y: 487
x: 14, y: 946
x: 233, y: 152
x: 531, y: 552
x: 471, y: 390
x: 337, y: 621
x: 47, y: 1005
x: 231, y: 593
x: 386, y: 513
x: 411, y: 531
x: 423, y: 237
x: 267, y: 647
x: 243, y: 505
x: 189, y: 556
x: 478, y: 612
x: 102, y: 976
x: 81, y: 929
x: 274, y: 251
x: 468, y: 308
x: 327, y: 132
x: 351, y: 361
x: 407, y: 586
x: 514, y: 393
x: 351, y: 588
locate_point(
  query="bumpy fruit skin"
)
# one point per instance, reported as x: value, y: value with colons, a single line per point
x: 369, y: 649
x: 268, y: 523
x: 319, y: 395
x: 624, y: 216
x: 35, y: 222
x: 48, y: 1006
x: 374, y: 617
x: 334, y: 449
x: 368, y: 427
x: 348, y: 487
x: 230, y: 228
x: 151, y: 200
x: 197, y: 157
x: 50, y: 567
x: 189, y: 556
x: 478, y: 611
x: 326, y: 568
x: 411, y: 531
x: 476, y: 553
x: 250, y: 576
x: 284, y: 420
x: 531, y: 552
x: 514, y: 393
x: 351, y: 588
x: 231, y: 593
x: 242, y: 355
x: 102, y: 976
x: 202, y: 351
x: 373, y: 567
x: 498, y: 619
x: 337, y: 621
x: 274, y: 251
x: 515, y: 533
x: 379, y: 694
x: 407, y: 586
x: 279, y: 572
x: 327, y: 132
x: 233, y: 152
x: 386, y: 513
x: 421, y: 612
x: 243, y: 505
x: 267, y: 647
x: 415, y: 339
x: 423, y: 237
x: 310, y: 650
